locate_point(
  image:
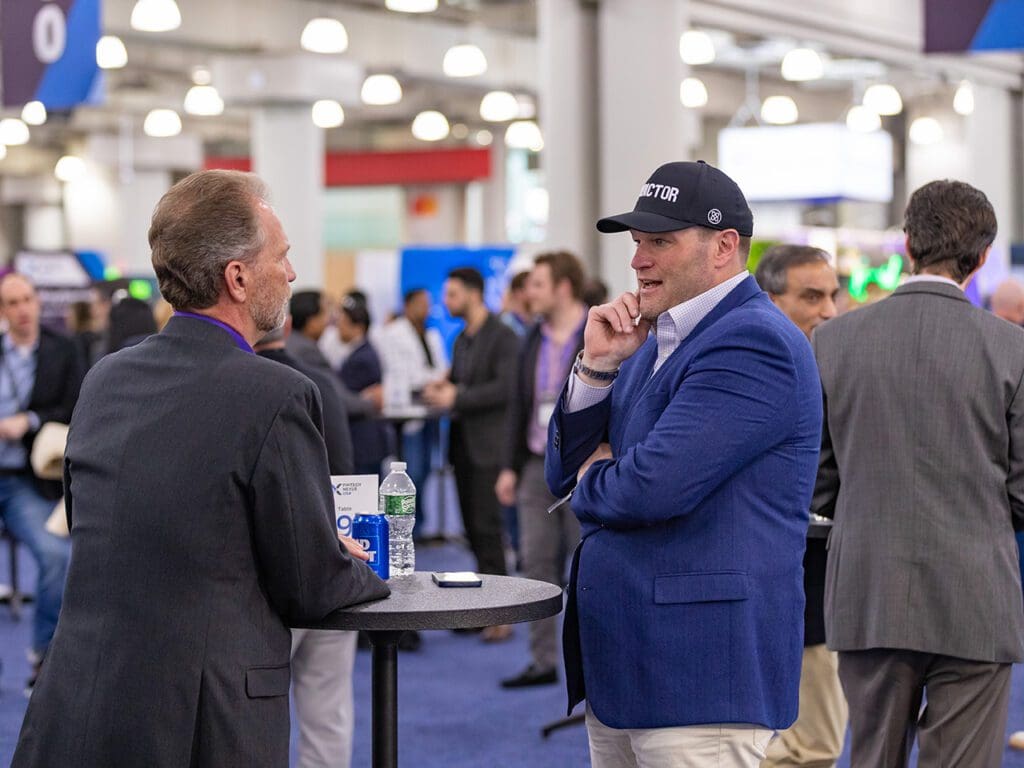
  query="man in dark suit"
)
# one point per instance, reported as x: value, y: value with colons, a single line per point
x: 801, y: 282
x: 693, y: 453
x: 201, y: 514
x: 310, y: 314
x: 477, y: 393
x: 553, y: 289
x: 40, y: 375
x: 922, y: 469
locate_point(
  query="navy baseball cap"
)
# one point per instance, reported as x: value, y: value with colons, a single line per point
x: 684, y: 195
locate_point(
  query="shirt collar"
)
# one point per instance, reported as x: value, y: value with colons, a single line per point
x: 10, y: 346
x: 680, y: 320
x: 240, y: 341
x: 931, y: 279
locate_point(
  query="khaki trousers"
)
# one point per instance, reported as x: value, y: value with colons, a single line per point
x: 815, y: 740
x: 693, y: 746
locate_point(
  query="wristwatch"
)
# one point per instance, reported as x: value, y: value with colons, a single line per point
x: 578, y: 367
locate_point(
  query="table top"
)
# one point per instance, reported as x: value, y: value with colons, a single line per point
x: 416, y: 602
x: 819, y: 528
x: 413, y: 412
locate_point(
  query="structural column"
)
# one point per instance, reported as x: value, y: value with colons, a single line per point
x: 566, y: 46
x: 641, y: 123
x: 288, y: 154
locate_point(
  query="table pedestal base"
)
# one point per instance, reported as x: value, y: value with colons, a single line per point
x: 385, y: 697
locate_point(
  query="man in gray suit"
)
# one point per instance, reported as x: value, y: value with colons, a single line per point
x: 201, y: 515
x: 922, y: 469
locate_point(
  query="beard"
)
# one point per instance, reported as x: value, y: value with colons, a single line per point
x: 267, y: 310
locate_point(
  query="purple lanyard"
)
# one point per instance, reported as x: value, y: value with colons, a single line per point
x: 240, y: 341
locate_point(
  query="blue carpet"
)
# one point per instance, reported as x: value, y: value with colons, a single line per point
x: 452, y: 713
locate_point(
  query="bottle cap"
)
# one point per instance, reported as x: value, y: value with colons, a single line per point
x: 398, y: 466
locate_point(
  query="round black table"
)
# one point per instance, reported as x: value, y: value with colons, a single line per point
x: 819, y: 527
x: 417, y: 603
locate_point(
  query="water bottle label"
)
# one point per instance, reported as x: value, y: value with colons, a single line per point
x: 400, y: 505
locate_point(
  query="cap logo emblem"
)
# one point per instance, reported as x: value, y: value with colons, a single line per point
x: 715, y: 216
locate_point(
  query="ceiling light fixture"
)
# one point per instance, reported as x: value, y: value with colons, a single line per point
x: 110, y: 52
x: 925, y: 131
x: 802, y: 64
x: 963, y: 99
x: 34, y: 113
x: 524, y: 134
x: 203, y: 100
x: 155, y: 16
x: 464, y: 61
x: 484, y: 137
x: 883, y: 99
x: 779, y: 110
x: 430, y: 125
x: 201, y: 76
x: 323, y: 35
x: 328, y: 113
x: 693, y: 93
x: 862, y: 120
x: 69, y: 168
x: 696, y: 47
x: 527, y: 106
x: 499, y: 107
x: 162, y: 123
x: 411, y: 6
x: 3, y: 151
x: 380, y: 90
x: 13, y: 132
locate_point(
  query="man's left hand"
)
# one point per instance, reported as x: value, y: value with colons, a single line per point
x: 354, y: 548
x: 14, y: 427
x: 604, y: 451
x: 440, y: 394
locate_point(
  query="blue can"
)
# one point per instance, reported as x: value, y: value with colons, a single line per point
x: 371, y: 531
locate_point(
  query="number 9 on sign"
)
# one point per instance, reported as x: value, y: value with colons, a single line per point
x: 345, y: 525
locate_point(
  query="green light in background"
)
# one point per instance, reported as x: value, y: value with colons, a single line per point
x: 110, y: 272
x: 140, y: 289
x: 886, y: 277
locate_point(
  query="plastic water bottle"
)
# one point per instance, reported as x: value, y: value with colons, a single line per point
x: 397, y: 502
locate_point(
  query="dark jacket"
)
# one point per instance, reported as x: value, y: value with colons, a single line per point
x: 336, y: 430
x: 59, y: 372
x: 483, y: 369
x: 202, y: 525
x: 520, y: 407
x: 360, y: 370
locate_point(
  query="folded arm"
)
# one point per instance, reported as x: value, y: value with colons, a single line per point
x: 734, y: 404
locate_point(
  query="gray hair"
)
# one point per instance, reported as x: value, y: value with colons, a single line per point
x: 773, y: 269
x: 203, y: 222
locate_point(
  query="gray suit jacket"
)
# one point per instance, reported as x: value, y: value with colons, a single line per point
x: 922, y: 468
x: 202, y: 524
x: 308, y: 353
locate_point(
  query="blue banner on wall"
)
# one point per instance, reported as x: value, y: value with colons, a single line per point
x: 425, y: 267
x: 952, y: 26
x: 49, y: 52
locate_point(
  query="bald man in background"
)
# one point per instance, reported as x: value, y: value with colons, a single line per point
x: 1008, y: 301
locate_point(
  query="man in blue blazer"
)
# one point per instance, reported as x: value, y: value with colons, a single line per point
x: 693, y: 452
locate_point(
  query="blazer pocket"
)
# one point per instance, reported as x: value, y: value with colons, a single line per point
x: 264, y: 682
x: 707, y: 587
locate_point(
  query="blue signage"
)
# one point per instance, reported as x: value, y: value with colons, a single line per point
x: 49, y: 52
